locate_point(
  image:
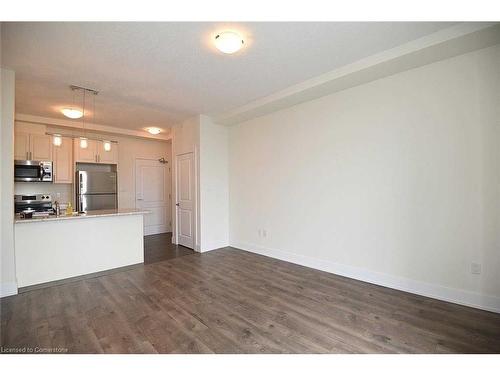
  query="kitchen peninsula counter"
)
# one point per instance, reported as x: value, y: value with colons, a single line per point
x: 59, y: 247
x: 86, y: 215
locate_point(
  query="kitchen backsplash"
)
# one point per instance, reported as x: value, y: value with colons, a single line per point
x: 60, y: 192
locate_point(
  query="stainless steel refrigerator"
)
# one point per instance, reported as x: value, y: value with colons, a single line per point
x: 96, y: 191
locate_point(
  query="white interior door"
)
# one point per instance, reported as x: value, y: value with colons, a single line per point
x: 185, y: 200
x: 152, y: 187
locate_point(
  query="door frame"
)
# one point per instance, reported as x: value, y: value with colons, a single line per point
x: 175, y: 228
x: 168, y: 186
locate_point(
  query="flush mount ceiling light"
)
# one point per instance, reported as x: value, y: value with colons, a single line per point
x: 154, y: 131
x: 72, y: 113
x: 228, y: 42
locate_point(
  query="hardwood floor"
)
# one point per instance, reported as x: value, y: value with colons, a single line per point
x: 232, y: 301
x: 158, y: 247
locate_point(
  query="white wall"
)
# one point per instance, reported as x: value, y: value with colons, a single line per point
x: 396, y: 181
x: 8, y: 283
x: 214, y: 188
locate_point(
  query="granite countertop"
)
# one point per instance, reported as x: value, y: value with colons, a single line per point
x: 87, y: 215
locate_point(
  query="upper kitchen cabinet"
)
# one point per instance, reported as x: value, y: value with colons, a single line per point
x: 107, y: 154
x: 96, y: 152
x: 40, y: 147
x: 63, y: 161
x: 85, y: 155
x: 28, y: 146
x: 21, y: 146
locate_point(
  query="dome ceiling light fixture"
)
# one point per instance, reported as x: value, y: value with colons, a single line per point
x: 72, y: 113
x: 228, y: 42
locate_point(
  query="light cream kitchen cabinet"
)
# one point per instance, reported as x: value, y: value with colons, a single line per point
x: 32, y: 146
x: 21, y: 146
x: 107, y: 156
x: 63, y: 161
x: 95, y: 152
x: 41, y: 147
x: 85, y: 155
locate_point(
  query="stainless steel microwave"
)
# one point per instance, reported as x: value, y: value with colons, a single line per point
x: 33, y: 171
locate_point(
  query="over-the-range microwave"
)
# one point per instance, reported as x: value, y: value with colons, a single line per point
x: 32, y: 171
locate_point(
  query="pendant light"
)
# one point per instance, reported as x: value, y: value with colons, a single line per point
x: 83, y: 140
x: 57, y: 140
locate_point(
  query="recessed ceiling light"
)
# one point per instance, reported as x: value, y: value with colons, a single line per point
x: 154, y: 131
x: 228, y: 41
x: 72, y: 113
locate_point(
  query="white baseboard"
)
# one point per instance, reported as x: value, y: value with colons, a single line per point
x: 461, y: 297
x: 8, y: 289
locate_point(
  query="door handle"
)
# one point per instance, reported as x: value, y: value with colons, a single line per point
x: 140, y: 199
x: 177, y: 204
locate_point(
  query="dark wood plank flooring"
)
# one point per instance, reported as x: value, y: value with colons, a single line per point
x: 232, y: 301
x: 158, y: 247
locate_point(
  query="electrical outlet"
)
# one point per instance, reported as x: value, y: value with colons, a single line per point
x: 475, y: 268
x: 260, y: 232
x: 264, y: 233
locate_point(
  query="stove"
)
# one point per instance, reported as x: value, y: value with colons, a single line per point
x: 40, y: 204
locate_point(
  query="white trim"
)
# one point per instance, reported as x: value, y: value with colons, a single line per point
x: 461, y: 297
x: 8, y: 289
x: 90, y: 126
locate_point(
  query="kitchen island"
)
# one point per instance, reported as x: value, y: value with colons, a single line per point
x: 55, y: 248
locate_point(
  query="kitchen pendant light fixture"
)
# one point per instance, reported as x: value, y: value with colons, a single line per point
x: 83, y: 139
x: 57, y: 140
x: 84, y: 142
x: 228, y: 42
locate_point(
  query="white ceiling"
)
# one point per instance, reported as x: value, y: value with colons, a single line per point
x: 156, y: 74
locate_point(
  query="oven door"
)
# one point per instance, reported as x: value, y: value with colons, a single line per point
x: 28, y: 170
